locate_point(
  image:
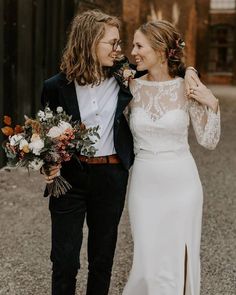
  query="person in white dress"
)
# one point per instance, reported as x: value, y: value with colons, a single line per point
x: 165, y: 193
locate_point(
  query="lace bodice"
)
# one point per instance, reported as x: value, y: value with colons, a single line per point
x: 159, y: 117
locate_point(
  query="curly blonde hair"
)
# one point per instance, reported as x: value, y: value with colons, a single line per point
x: 79, y: 61
x: 164, y: 36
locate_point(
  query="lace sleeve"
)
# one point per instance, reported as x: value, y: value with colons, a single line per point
x: 206, y: 124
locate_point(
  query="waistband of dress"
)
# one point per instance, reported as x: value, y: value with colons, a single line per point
x: 163, y: 154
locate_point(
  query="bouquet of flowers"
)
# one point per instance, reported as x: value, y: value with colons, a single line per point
x: 48, y: 140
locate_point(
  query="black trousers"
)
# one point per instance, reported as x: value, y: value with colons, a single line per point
x: 97, y: 194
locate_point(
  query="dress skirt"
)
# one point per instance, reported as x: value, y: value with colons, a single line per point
x: 165, y: 208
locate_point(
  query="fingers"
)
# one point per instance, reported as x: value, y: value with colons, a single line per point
x: 194, y: 96
x: 49, y: 181
x: 196, y: 91
x: 195, y: 79
x: 50, y: 178
x: 201, y: 91
x: 193, y: 83
x: 187, y: 88
x: 193, y: 91
x: 53, y: 172
x: 190, y: 82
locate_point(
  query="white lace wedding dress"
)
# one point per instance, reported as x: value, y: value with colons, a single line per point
x: 165, y: 193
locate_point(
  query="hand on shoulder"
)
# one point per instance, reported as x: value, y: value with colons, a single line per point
x: 204, y: 95
x: 191, y: 79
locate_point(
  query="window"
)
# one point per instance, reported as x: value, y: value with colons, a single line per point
x: 221, y: 49
x: 223, y: 4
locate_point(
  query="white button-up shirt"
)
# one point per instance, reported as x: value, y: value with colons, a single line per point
x: 97, y: 107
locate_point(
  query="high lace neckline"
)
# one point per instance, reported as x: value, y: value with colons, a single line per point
x: 159, y: 83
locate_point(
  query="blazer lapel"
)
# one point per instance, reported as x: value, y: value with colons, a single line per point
x: 124, y: 97
x: 70, y: 99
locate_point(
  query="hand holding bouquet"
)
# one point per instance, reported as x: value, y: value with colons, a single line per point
x: 48, y: 140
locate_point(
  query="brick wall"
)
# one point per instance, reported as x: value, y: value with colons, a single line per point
x: 206, y: 19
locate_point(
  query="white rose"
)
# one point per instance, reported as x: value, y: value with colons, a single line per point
x: 34, y: 137
x: 36, y: 164
x: 41, y: 114
x: 56, y: 131
x: 59, y: 110
x: 49, y: 115
x: 36, y: 144
x: 15, y: 139
x: 64, y: 125
x: 23, y: 143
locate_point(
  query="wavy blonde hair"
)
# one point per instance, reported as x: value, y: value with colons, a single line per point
x: 79, y: 60
x: 164, y: 36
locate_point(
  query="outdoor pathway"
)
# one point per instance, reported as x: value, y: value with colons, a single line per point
x: 25, y: 224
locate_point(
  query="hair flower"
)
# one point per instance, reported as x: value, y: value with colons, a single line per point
x: 180, y: 43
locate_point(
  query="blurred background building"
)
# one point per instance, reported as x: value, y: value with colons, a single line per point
x: 216, y: 41
x: 33, y: 35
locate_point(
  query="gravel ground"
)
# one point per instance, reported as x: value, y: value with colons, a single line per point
x: 25, y: 268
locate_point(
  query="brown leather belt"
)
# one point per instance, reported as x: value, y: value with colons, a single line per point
x: 111, y: 159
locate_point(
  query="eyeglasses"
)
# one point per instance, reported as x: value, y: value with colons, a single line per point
x: 114, y: 44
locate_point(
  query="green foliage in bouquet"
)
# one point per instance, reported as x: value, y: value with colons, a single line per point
x: 48, y: 140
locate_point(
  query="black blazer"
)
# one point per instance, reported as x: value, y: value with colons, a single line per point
x: 58, y: 92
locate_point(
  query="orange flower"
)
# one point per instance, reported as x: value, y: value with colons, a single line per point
x: 7, y: 120
x: 36, y: 126
x: 18, y: 129
x: 7, y: 131
x: 28, y: 121
x: 62, y: 137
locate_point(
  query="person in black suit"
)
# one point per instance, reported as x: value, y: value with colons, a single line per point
x: 88, y: 89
